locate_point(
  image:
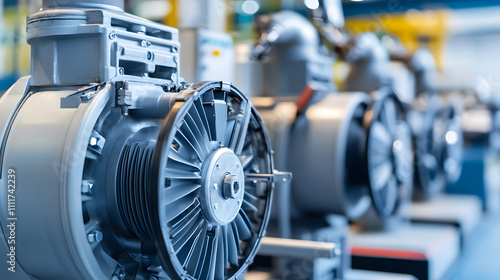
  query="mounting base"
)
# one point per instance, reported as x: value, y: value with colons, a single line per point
x: 424, y: 251
x: 461, y: 211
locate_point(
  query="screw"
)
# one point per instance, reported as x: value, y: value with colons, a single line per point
x: 175, y: 50
x: 95, y: 236
x: 215, y: 186
x: 150, y: 56
x: 121, y: 71
x: 87, y: 188
x: 144, y: 44
x: 112, y: 35
x: 216, y: 206
x: 217, y: 166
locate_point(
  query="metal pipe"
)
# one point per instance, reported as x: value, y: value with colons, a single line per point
x: 101, y: 4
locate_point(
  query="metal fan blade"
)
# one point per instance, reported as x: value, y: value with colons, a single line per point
x: 232, y: 249
x: 186, y: 146
x: 211, y: 256
x: 176, y: 157
x: 249, y: 206
x: 177, y: 207
x: 201, y: 130
x: 179, y: 191
x: 184, y: 235
x: 243, y: 225
x: 390, y: 195
x: 192, y: 261
x: 185, y: 220
x: 380, y: 136
x: 234, y: 229
x: 382, y: 174
x: 217, y: 120
x: 191, y: 136
x: 203, y: 117
x: 187, y: 252
x: 239, y: 132
x: 221, y: 262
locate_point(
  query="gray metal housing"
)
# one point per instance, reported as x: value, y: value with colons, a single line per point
x: 292, y: 56
x: 84, y: 46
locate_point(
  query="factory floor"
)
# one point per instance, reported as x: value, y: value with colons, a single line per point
x: 481, y: 259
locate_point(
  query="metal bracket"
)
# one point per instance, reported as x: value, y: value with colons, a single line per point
x: 276, y: 177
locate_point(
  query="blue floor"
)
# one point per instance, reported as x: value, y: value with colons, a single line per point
x: 481, y: 258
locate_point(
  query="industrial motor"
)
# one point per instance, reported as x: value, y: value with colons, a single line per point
x: 354, y: 152
x: 112, y: 168
x: 437, y: 133
x: 330, y: 142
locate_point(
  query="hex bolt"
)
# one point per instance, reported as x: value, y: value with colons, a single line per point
x: 94, y: 141
x: 95, y: 236
x: 230, y: 186
x: 87, y: 188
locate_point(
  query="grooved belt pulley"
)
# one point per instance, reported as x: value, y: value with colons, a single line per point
x: 165, y: 195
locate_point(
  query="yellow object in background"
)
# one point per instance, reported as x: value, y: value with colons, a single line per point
x: 415, y: 29
x: 172, y: 18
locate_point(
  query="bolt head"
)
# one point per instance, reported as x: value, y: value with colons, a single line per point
x: 112, y: 36
x: 87, y: 188
x: 95, y: 236
x: 121, y: 71
x: 230, y: 186
x: 94, y: 141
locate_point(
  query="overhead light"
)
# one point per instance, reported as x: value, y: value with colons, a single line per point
x: 250, y: 7
x: 312, y: 4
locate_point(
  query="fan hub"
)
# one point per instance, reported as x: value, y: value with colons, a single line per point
x: 222, y: 188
